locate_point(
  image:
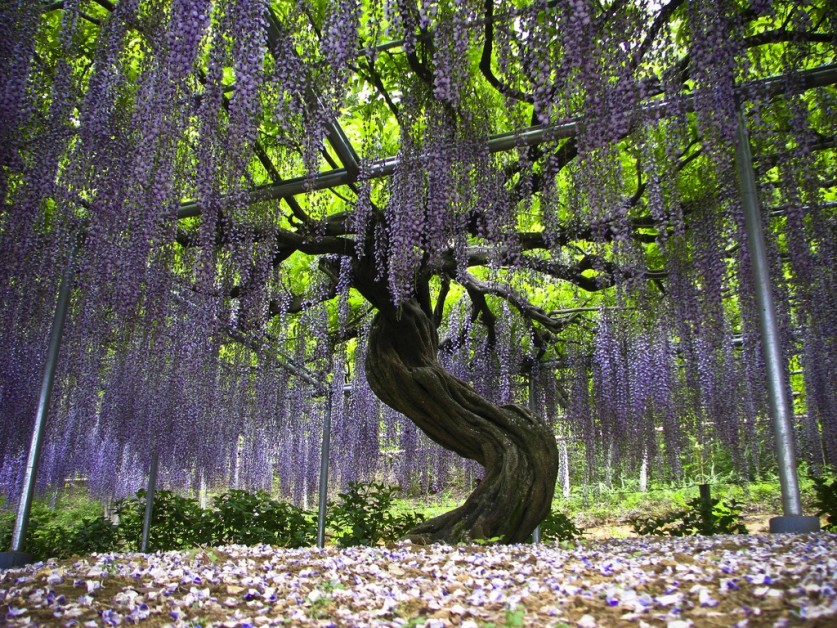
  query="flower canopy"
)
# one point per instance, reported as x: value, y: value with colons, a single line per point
x: 240, y: 184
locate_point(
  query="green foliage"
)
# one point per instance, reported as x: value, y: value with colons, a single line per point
x: 71, y: 528
x: 253, y: 518
x: 90, y: 534
x: 559, y: 527
x: 766, y: 492
x: 825, y: 500
x: 238, y: 517
x: 74, y: 527
x: 176, y: 522
x: 364, y: 516
x: 516, y: 617
x: 722, y: 517
x: 7, y: 522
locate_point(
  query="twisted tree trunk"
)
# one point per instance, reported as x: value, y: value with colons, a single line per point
x: 517, y: 449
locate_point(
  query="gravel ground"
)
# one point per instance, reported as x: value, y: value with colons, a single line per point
x: 778, y: 580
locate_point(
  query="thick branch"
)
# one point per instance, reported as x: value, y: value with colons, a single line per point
x: 482, y: 312
x: 485, y: 59
x: 423, y: 295
x: 662, y: 17
x: 439, y: 310
x: 526, y: 309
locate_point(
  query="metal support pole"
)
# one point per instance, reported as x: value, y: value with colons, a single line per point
x: 564, y: 465
x: 323, y: 498
x: 706, y: 506
x: 16, y: 556
x: 149, y: 502
x: 536, y: 533
x: 202, y: 493
x: 780, y: 408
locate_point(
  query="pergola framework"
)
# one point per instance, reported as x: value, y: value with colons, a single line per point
x: 531, y: 136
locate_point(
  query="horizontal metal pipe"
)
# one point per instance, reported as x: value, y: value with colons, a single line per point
x: 273, y: 191
x: 817, y: 77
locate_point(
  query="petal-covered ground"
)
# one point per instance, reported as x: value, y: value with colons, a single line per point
x: 698, y: 581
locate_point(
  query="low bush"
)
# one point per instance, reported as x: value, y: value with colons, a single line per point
x: 70, y: 528
x: 253, y: 518
x: 825, y: 500
x: 176, y: 522
x: 722, y: 517
x: 559, y: 527
x: 364, y: 516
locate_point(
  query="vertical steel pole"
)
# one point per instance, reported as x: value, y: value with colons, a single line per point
x: 643, y: 471
x: 202, y: 493
x: 149, y: 502
x: 536, y: 533
x: 30, y: 475
x: 706, y: 505
x: 780, y: 408
x: 564, y: 461
x: 324, y: 453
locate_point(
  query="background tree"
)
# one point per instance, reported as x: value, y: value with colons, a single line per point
x: 228, y: 168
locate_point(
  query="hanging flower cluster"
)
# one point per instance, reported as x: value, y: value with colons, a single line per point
x: 246, y: 16
x: 405, y: 222
x: 450, y: 58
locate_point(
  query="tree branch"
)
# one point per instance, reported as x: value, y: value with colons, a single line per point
x: 375, y: 78
x: 485, y: 59
x: 662, y: 17
x: 781, y: 35
x: 481, y: 311
x: 423, y: 296
x: 439, y: 310
x: 475, y: 286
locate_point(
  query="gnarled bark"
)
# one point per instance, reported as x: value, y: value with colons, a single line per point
x: 517, y: 449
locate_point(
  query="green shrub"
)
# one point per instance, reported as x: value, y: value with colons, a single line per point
x: 767, y: 494
x: 94, y: 534
x: 176, y: 522
x: 825, y: 500
x: 7, y: 524
x: 253, y: 518
x: 559, y: 527
x: 723, y: 518
x: 73, y: 527
x: 80, y: 527
x: 364, y: 516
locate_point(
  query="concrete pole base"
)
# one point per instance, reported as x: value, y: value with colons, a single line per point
x: 794, y: 523
x: 10, y: 560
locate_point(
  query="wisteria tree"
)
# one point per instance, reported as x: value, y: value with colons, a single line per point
x: 229, y: 170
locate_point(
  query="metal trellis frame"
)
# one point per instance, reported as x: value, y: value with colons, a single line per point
x: 531, y: 136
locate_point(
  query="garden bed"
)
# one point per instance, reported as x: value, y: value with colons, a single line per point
x: 721, y: 580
